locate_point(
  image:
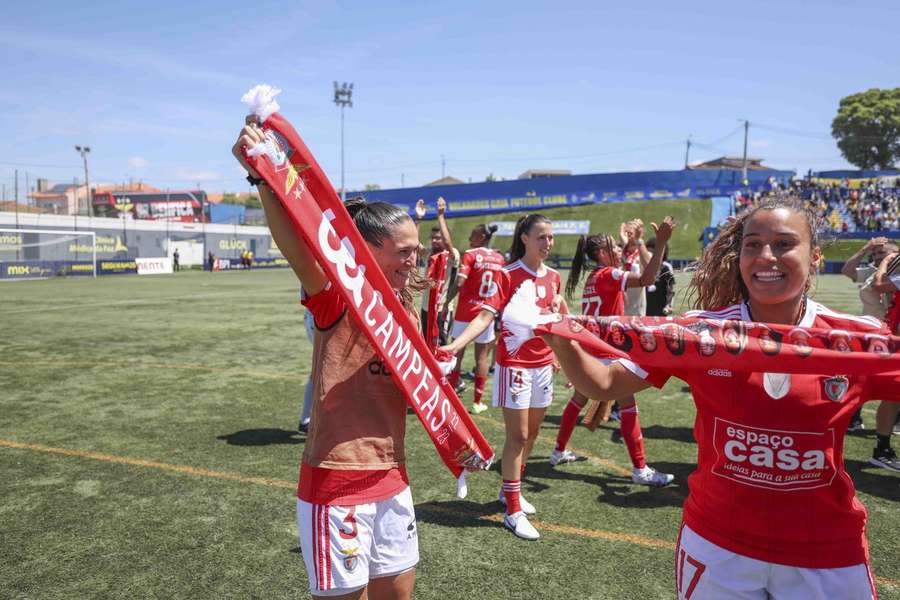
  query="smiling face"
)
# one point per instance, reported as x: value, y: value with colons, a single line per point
x: 777, y: 256
x: 538, y: 241
x: 610, y: 255
x: 397, y: 254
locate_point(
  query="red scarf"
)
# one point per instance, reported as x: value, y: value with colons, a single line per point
x: 317, y: 215
x: 691, y: 343
x: 437, y: 270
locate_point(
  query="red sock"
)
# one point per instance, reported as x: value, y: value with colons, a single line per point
x: 480, y: 380
x: 512, y: 491
x: 453, y: 378
x: 631, y: 433
x: 567, y: 425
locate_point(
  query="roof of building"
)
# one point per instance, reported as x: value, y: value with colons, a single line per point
x: 446, y: 181
x: 732, y: 162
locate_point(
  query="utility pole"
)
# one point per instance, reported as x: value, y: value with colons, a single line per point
x: 443, y: 166
x: 402, y: 180
x: 16, y: 205
x: 343, y: 97
x: 84, y: 151
x: 687, y: 153
x: 744, y: 180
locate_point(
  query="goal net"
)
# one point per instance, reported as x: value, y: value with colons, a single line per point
x: 42, y: 253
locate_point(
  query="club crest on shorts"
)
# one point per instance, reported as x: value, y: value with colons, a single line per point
x: 836, y: 387
x: 351, y: 559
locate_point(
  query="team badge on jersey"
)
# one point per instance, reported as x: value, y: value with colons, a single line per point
x: 836, y: 387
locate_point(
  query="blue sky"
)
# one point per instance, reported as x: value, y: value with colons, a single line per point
x: 494, y: 87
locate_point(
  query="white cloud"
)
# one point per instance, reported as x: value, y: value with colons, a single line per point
x: 185, y: 174
x: 760, y: 143
x: 138, y: 162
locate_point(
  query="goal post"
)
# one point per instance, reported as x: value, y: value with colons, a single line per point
x: 43, y: 253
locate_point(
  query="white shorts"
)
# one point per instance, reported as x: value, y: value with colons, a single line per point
x: 485, y: 337
x: 522, y: 388
x: 346, y: 546
x: 704, y: 571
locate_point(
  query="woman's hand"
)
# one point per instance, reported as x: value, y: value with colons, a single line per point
x: 420, y: 209
x: 250, y: 135
x: 441, y: 206
x: 663, y: 231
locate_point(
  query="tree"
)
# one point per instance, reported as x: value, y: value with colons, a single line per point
x: 371, y: 187
x: 248, y: 200
x: 867, y: 128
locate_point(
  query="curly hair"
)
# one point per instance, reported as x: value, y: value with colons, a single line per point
x: 717, y: 281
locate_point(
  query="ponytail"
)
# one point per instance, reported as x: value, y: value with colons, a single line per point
x: 485, y: 231
x: 586, y: 250
x: 577, y: 263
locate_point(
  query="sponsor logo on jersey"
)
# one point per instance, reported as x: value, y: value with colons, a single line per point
x: 836, y: 387
x: 774, y: 459
x: 720, y: 373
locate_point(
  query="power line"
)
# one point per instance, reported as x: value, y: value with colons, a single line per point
x: 41, y: 166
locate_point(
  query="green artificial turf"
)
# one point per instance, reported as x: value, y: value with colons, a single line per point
x: 197, y: 380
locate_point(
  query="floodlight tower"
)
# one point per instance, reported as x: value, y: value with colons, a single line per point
x: 343, y: 96
x: 84, y: 151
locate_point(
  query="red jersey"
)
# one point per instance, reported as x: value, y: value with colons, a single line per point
x: 535, y: 352
x: 770, y: 482
x: 479, y: 270
x: 354, y: 451
x: 603, y: 293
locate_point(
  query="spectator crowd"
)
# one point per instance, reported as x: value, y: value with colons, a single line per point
x: 872, y: 205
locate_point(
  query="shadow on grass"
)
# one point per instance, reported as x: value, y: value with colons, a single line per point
x: 873, y: 480
x: 615, y: 490
x: 662, y: 432
x: 458, y: 513
x: 262, y: 437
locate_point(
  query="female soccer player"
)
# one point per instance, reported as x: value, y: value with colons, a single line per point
x: 476, y: 283
x: 603, y: 296
x: 523, y: 382
x: 355, y: 512
x: 797, y: 530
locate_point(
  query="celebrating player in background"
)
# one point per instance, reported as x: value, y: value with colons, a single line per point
x: 603, y: 296
x: 886, y: 281
x: 354, y: 508
x: 874, y: 304
x: 476, y: 282
x: 523, y: 382
x: 636, y: 257
x: 661, y: 294
x: 439, y: 245
x: 797, y: 530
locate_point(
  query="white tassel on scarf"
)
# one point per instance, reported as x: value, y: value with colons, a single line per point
x: 522, y: 315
